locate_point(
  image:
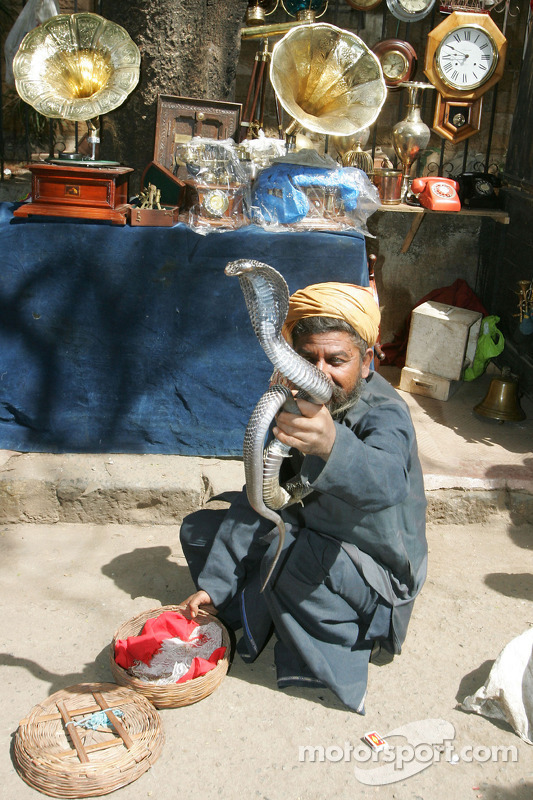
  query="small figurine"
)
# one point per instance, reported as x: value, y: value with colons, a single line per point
x: 525, y: 306
x: 150, y: 197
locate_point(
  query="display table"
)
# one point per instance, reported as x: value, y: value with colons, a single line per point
x: 132, y: 340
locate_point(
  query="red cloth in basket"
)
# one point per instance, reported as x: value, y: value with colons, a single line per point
x: 169, y: 625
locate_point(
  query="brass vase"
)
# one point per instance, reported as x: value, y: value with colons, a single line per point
x: 411, y: 135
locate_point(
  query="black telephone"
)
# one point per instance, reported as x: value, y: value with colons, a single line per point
x: 479, y: 190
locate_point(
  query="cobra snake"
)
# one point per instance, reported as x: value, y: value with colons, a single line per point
x: 266, y: 295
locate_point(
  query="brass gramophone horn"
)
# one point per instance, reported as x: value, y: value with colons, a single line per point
x: 327, y: 79
x: 76, y: 66
x: 501, y: 401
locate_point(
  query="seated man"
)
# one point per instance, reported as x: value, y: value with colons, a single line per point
x: 354, y: 556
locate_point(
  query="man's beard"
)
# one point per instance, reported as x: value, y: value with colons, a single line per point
x: 341, y: 400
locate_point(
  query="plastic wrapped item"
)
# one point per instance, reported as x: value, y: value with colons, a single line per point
x: 306, y: 191
x: 34, y: 13
x: 218, y: 184
x: 257, y: 154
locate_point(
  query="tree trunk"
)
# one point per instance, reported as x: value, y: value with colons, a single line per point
x: 189, y: 48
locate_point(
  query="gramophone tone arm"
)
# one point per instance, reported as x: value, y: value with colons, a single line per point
x: 92, y: 137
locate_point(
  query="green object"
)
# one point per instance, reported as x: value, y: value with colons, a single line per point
x: 490, y: 343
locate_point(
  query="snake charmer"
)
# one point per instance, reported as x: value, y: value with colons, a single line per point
x: 354, y: 555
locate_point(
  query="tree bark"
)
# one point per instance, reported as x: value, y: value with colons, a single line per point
x: 189, y: 48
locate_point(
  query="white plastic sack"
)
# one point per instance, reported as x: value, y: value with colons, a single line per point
x: 508, y: 691
x: 34, y: 13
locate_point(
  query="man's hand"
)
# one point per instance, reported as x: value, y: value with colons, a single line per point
x: 312, y: 434
x: 198, y: 599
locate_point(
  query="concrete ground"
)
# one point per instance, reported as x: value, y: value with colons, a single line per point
x: 89, y: 541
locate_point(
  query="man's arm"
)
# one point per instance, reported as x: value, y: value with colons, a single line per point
x: 369, y: 464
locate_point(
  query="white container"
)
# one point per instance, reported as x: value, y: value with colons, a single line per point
x: 416, y: 382
x: 442, y: 339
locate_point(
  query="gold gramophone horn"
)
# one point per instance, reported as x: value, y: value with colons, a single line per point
x: 76, y: 66
x: 327, y: 79
x: 501, y: 401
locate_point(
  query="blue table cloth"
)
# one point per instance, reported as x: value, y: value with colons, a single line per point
x: 132, y: 340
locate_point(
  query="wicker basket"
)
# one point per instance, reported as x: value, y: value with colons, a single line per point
x: 57, y: 756
x: 172, y: 695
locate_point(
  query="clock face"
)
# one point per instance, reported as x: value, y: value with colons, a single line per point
x: 394, y: 65
x: 398, y: 61
x: 410, y: 10
x: 466, y: 57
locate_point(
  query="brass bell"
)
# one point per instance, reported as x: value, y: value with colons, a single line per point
x: 501, y: 401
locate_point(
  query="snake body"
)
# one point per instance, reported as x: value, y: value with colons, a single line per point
x: 266, y: 295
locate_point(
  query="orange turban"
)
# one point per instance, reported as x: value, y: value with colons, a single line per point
x: 354, y: 304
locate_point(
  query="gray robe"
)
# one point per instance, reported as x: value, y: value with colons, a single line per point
x: 354, y: 558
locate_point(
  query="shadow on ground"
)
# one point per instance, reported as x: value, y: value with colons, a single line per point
x: 511, y: 584
x: 471, y: 682
x: 94, y: 671
x: 520, y: 791
x: 149, y: 572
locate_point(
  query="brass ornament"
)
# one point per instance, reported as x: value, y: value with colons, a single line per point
x: 259, y: 10
x: 525, y: 299
x: 410, y: 136
x: 76, y: 66
x: 363, y: 5
x: 350, y: 150
x: 501, y: 401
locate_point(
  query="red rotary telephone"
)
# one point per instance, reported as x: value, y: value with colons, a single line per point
x: 437, y: 194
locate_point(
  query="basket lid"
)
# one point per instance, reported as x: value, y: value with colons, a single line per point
x: 87, y: 740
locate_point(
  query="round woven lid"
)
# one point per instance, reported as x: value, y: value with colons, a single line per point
x: 87, y: 740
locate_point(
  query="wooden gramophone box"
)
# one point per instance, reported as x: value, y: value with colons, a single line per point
x: 59, y: 190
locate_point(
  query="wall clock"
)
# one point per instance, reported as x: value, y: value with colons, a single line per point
x: 398, y: 61
x: 465, y: 55
x: 410, y: 10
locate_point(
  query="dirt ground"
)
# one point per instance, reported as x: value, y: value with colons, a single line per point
x: 66, y: 588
